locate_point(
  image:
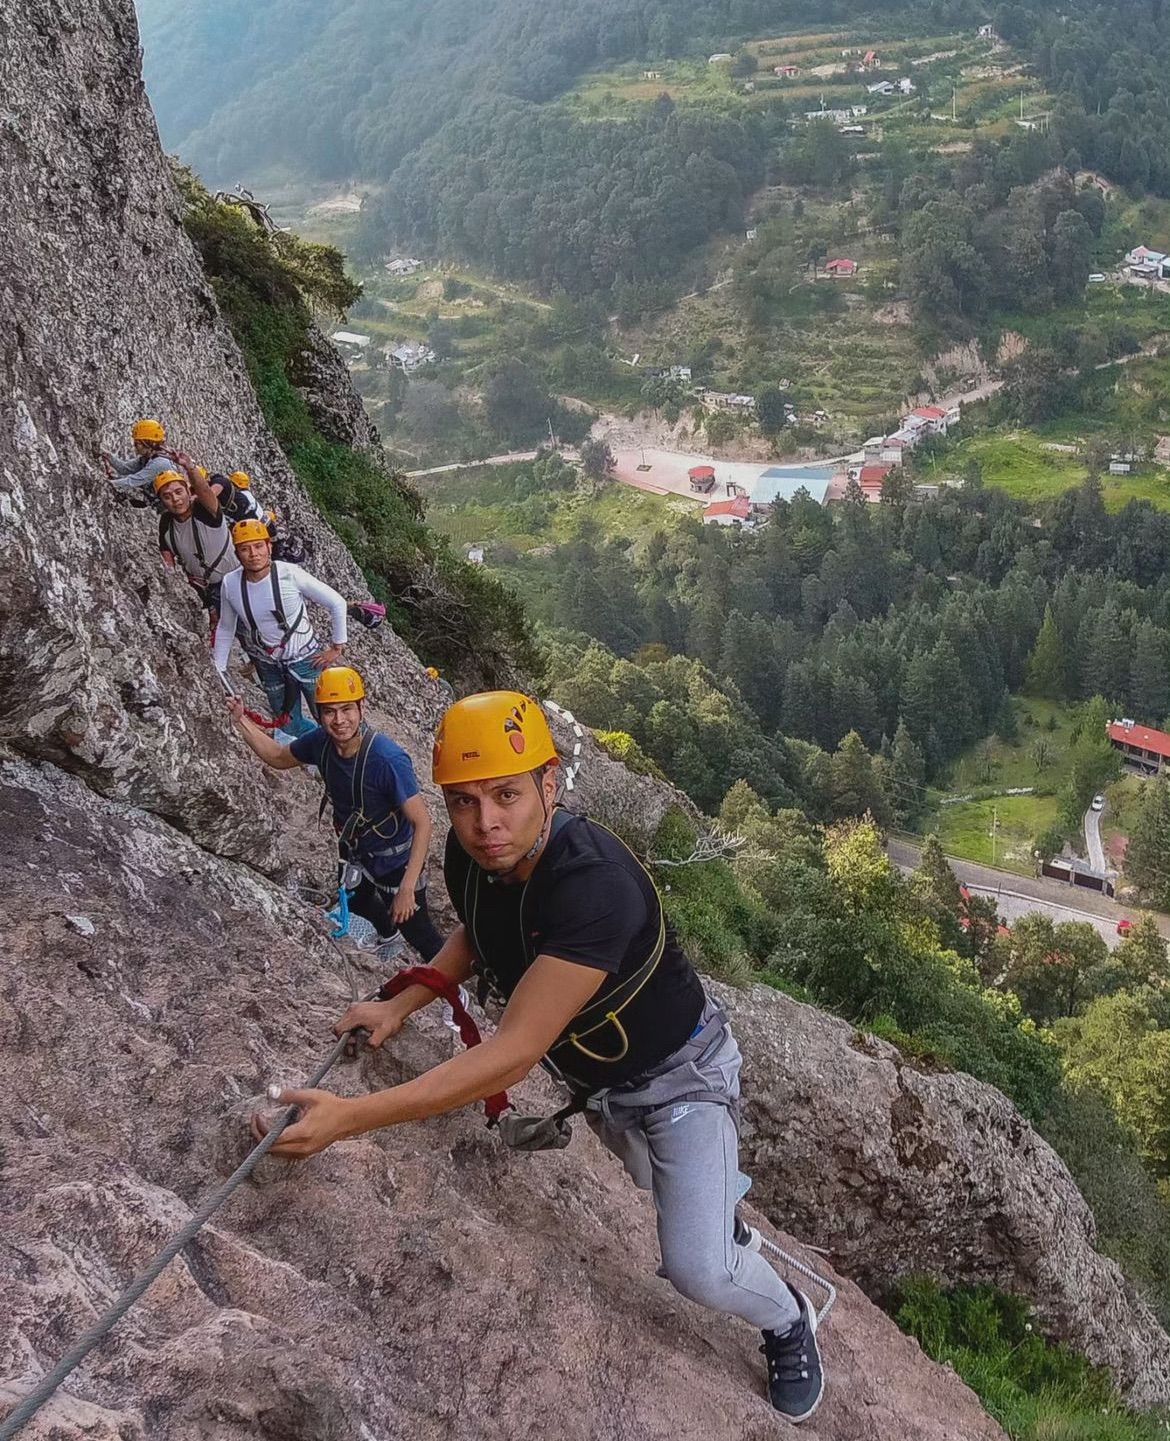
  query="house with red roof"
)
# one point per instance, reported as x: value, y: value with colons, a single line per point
x: 702, y: 478
x: 841, y: 269
x: 728, y: 512
x: 1141, y: 746
x: 931, y: 419
x: 871, y: 61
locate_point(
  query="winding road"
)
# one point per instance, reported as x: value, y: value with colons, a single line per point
x: 1017, y: 896
x: 1093, y: 846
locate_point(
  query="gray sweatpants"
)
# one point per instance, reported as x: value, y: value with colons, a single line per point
x: 676, y: 1136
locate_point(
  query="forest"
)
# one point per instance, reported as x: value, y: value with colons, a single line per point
x: 903, y: 626
x: 446, y: 106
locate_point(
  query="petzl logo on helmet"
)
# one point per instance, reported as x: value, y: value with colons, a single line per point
x: 469, y: 756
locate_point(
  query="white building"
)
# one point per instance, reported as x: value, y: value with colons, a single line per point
x: 720, y: 58
x: 680, y: 372
x: 906, y: 85
x: 351, y: 339
x: 405, y: 266
x: 410, y: 357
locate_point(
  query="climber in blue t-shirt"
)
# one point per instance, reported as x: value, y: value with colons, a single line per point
x: 383, y: 824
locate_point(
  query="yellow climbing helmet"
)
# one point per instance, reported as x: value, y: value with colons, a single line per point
x: 168, y: 477
x: 241, y: 479
x: 248, y: 530
x: 495, y: 733
x: 338, y: 684
x: 150, y: 430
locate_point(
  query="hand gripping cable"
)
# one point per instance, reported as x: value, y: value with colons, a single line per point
x: 434, y: 980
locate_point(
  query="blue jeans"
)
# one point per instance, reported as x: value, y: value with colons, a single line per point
x: 286, y: 684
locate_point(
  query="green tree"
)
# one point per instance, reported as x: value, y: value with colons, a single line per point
x: 854, y: 783
x: 1142, y: 955
x: 1048, y: 664
x: 1057, y: 969
x: 1147, y: 859
x: 906, y: 776
x: 770, y: 411
x: 1072, y: 253
x: 936, y: 889
x: 1149, y: 674
x: 1116, y: 1049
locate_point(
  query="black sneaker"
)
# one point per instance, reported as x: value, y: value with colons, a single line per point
x: 796, y: 1382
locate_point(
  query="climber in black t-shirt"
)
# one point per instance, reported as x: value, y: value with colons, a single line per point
x: 565, y: 927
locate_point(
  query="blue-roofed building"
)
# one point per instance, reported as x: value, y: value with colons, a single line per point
x: 782, y: 483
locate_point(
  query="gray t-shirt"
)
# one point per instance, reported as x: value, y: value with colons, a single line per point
x: 202, y: 544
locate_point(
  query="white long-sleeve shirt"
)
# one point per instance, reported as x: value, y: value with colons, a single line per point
x: 296, y: 587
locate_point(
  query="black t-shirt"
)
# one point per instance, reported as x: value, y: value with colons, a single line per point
x: 588, y: 901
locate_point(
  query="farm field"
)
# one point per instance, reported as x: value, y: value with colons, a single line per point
x: 990, y: 769
x: 1017, y: 462
x: 484, y: 506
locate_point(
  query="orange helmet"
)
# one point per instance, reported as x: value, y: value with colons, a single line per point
x: 241, y: 479
x: 338, y: 684
x: 150, y: 430
x: 247, y: 530
x: 495, y: 733
x: 168, y: 477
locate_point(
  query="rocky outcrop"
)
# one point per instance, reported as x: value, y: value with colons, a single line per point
x: 337, y: 410
x: 419, y: 1283
x: 896, y: 1171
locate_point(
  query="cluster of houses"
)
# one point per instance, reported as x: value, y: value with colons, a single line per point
x: 407, y: 357
x: 905, y: 86
x: 1146, y: 264
x: 839, y: 114
x: 749, y: 505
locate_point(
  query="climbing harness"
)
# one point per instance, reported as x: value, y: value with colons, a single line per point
x: 287, y: 629
x: 607, y: 1008
x: 358, y: 826
x: 32, y: 1403
x: 434, y: 980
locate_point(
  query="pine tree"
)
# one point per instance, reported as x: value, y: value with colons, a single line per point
x: 1048, y: 665
x: 1147, y: 859
x: 1149, y: 674
x: 907, y: 776
x: 854, y: 783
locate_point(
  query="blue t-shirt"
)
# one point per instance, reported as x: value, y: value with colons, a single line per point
x: 388, y: 781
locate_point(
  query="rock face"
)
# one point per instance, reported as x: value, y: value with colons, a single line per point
x: 896, y: 1171
x: 419, y: 1283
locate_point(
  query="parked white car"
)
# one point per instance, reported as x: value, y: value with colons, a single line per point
x: 1097, y: 278
x: 1098, y: 803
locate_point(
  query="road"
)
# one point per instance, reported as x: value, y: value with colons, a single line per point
x: 1093, y: 847
x: 1017, y: 896
x: 511, y: 458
